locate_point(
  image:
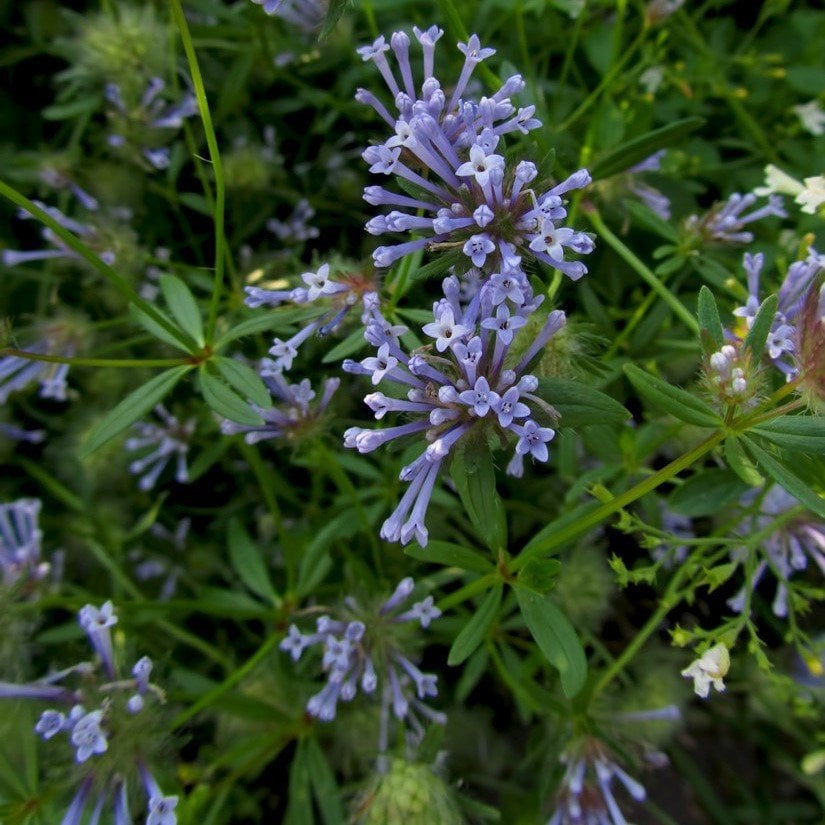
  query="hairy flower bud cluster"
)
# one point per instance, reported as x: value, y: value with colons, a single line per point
x: 157, y: 444
x: 586, y: 796
x: 466, y: 383
x: 787, y: 549
x: 727, y: 374
x: 445, y: 151
x: 91, y: 732
x: 366, y: 650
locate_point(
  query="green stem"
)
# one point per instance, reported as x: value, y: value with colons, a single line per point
x: 609, y: 77
x: 468, y: 591
x: 213, y: 695
x: 595, y: 517
x: 93, y: 362
x: 88, y: 255
x: 217, y: 166
x: 668, y: 602
x: 641, y: 269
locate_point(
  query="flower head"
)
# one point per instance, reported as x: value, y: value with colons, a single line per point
x: 366, y: 649
x: 446, y: 149
x: 709, y: 669
x: 794, y: 541
x: 468, y: 385
x: 157, y: 444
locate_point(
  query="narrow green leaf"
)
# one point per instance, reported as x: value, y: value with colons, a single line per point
x: 645, y: 216
x: 225, y: 402
x: 473, y: 633
x: 132, y: 407
x: 678, y: 402
x: 248, y: 564
x: 155, y: 329
x: 805, y: 433
x: 475, y: 479
x: 299, y: 801
x: 245, y: 380
x: 580, y: 405
x: 335, y: 11
x: 707, y: 492
x: 740, y: 463
x: 637, y: 149
x: 325, y: 788
x: 182, y: 305
x: 786, y: 479
x: 450, y: 555
x: 758, y: 334
x: 709, y: 320
x: 555, y: 637
x: 280, y: 321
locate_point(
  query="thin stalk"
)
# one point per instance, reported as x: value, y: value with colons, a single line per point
x: 469, y: 590
x: 88, y: 255
x: 217, y: 166
x: 93, y: 362
x: 213, y: 695
x: 595, y: 517
x: 609, y: 77
x: 641, y: 269
x: 667, y: 603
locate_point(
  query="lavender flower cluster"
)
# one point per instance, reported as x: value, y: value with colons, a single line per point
x: 367, y: 650
x: 444, y: 150
x: 89, y: 731
x: 469, y: 382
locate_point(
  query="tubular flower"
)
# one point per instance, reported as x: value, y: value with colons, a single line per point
x: 467, y: 383
x: 367, y: 649
x: 586, y: 796
x: 786, y: 550
x: 168, y: 440
x: 292, y: 416
x: 20, y: 539
x: 781, y: 344
x: 725, y: 223
x: 446, y: 150
x: 117, y: 718
x: 320, y: 288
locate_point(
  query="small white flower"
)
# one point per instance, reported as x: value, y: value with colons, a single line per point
x: 813, y: 196
x: 812, y: 116
x: 779, y: 182
x: 710, y: 668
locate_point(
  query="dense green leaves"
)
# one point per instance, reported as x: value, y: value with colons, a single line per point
x: 579, y: 404
x: 450, y: 555
x: 475, y: 479
x: 183, y: 306
x: 678, y: 402
x: 224, y: 401
x: 785, y: 478
x: 710, y: 325
x: 637, y: 149
x: 248, y: 563
x: 758, y: 333
x: 133, y: 407
x: 555, y: 637
x: 803, y: 433
x: 473, y: 633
